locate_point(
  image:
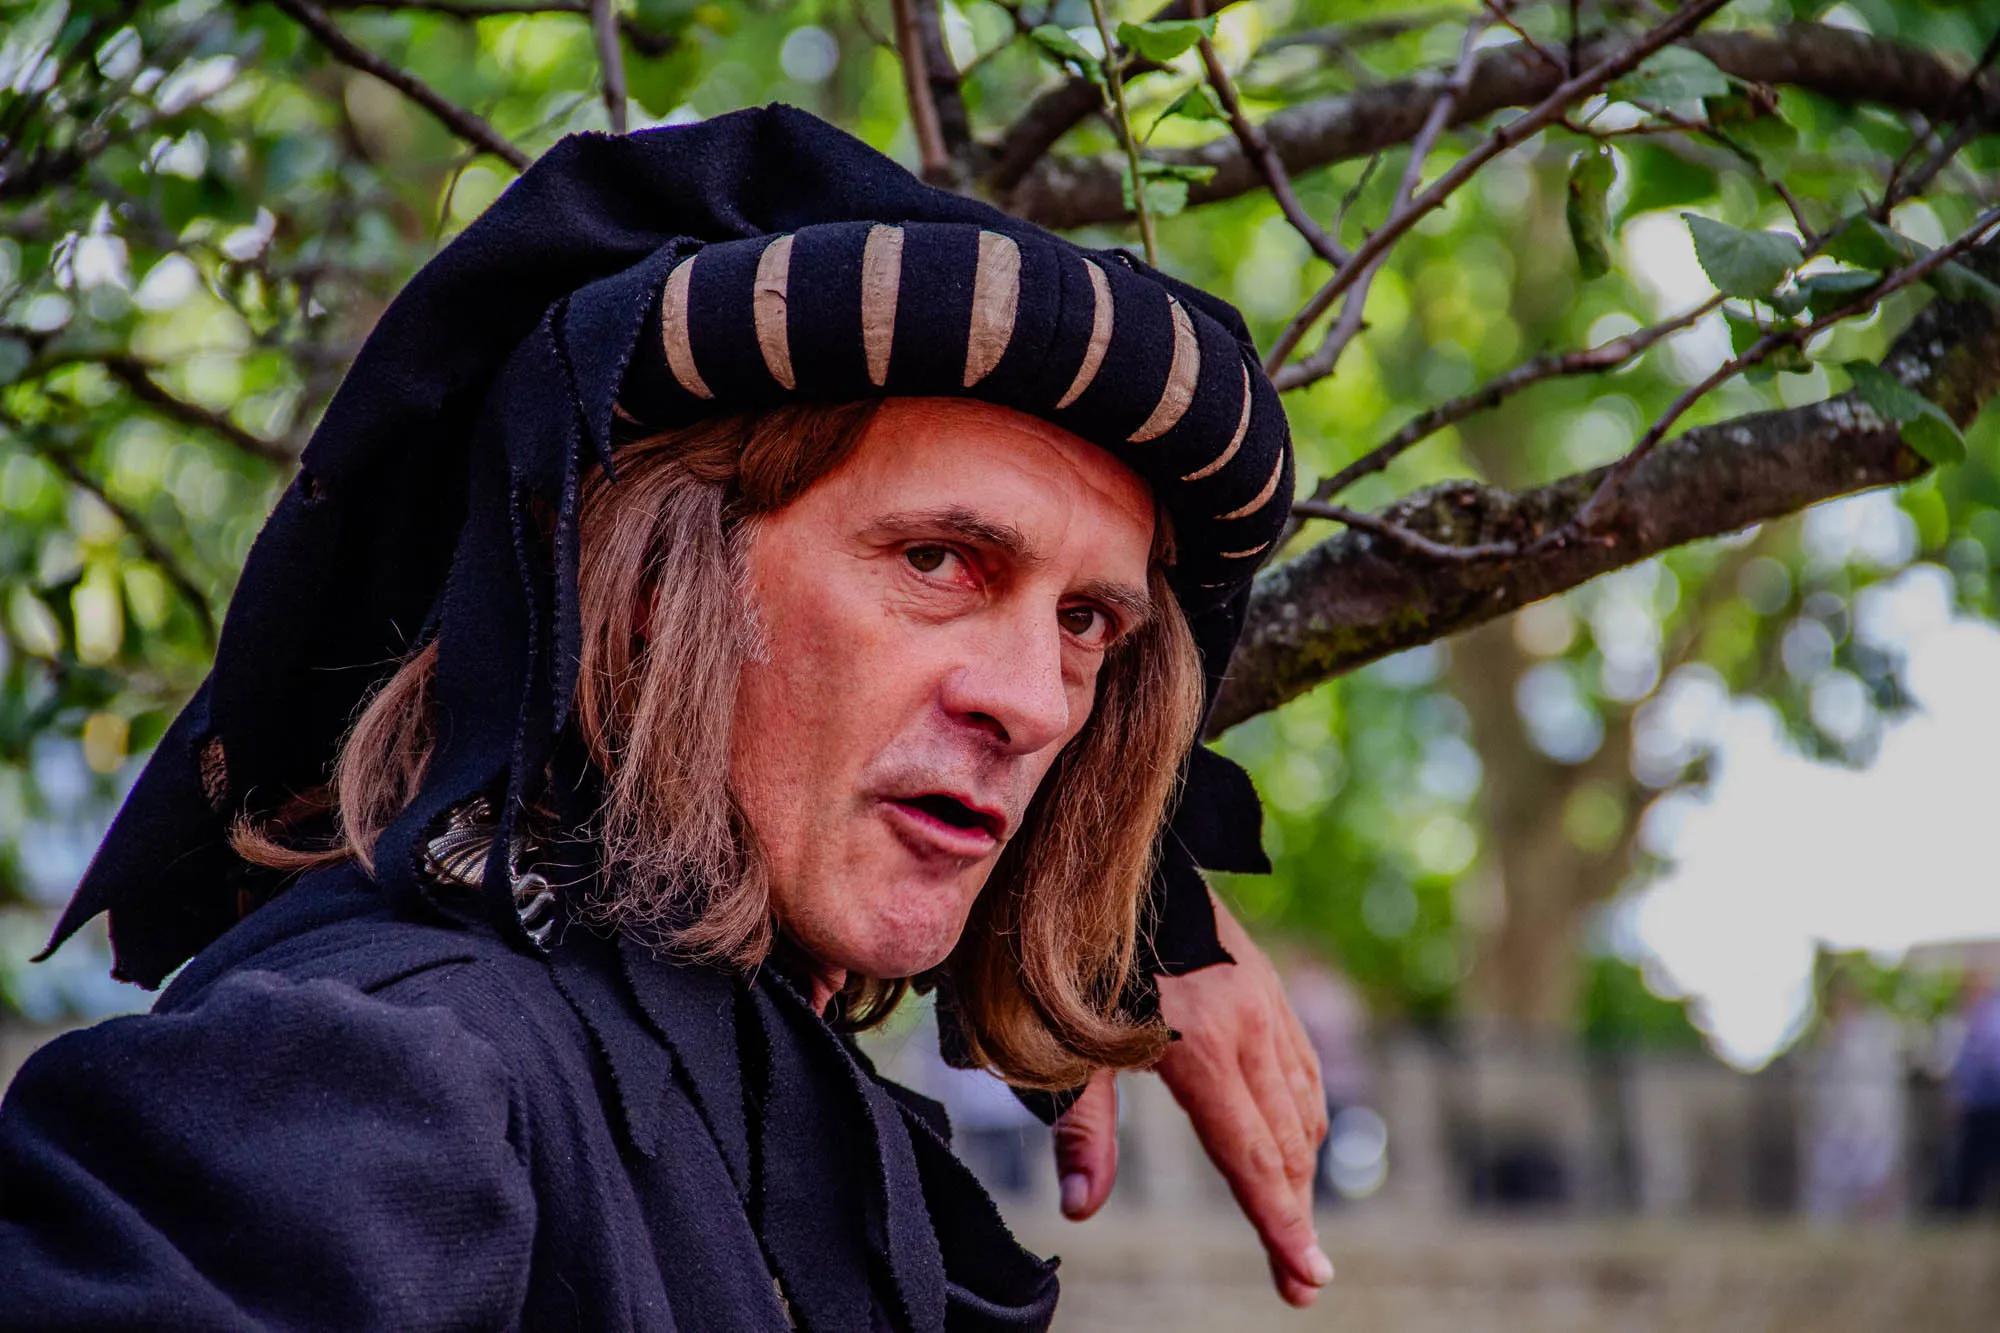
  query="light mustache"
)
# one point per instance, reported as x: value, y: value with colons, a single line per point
x: 989, y: 787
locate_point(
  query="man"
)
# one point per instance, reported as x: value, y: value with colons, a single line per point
x: 456, y: 1075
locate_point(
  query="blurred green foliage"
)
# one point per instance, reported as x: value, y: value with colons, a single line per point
x: 201, y: 214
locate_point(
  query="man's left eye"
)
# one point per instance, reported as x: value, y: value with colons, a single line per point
x: 1083, y: 621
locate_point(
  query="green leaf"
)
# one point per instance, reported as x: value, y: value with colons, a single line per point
x: 1866, y: 243
x: 1751, y: 123
x: 1956, y: 282
x: 1675, y: 75
x: 1163, y: 39
x: 1659, y: 179
x: 1926, y: 427
x: 1590, y: 177
x: 1749, y: 264
x: 14, y: 358
x: 1936, y: 436
x: 1789, y: 303
x: 1743, y: 332
x: 1827, y: 292
x: 1197, y: 103
x: 1166, y: 185
x: 1058, y: 43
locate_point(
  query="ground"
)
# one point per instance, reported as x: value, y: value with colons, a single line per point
x: 1135, y: 1272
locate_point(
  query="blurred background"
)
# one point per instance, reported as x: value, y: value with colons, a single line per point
x: 1648, y: 935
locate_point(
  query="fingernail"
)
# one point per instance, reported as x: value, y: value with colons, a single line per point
x: 1075, y: 1193
x: 1318, y: 1267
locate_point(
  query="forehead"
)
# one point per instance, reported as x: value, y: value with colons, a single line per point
x: 956, y: 452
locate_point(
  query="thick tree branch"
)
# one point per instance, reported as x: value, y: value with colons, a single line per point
x: 1351, y: 600
x: 465, y: 124
x: 1834, y: 62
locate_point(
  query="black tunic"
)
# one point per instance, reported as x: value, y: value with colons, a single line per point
x: 338, y: 1117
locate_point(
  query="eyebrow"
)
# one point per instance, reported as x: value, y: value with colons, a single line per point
x: 975, y: 529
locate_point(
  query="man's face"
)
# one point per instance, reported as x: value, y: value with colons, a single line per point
x: 934, y: 614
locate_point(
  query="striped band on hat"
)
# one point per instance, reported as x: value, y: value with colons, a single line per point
x: 1085, y: 340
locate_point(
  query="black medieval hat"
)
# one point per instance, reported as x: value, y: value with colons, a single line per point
x: 753, y: 259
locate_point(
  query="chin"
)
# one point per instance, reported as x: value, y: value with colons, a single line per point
x: 911, y: 933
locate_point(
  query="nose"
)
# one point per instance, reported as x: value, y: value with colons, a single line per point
x: 1009, y: 683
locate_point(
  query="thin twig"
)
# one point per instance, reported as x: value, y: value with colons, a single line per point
x: 465, y: 124
x: 1131, y: 140
x: 1792, y: 335
x: 1353, y: 310
x: 1545, y: 113
x: 917, y: 88
x: 1582, y: 361
x: 150, y: 546
x: 1895, y: 190
x: 1258, y: 149
x: 1353, y: 195
x: 644, y: 40
x: 1499, y: 12
x: 604, y: 27
x: 136, y: 376
x: 1414, y: 542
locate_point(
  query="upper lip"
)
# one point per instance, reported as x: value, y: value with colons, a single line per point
x: 994, y: 820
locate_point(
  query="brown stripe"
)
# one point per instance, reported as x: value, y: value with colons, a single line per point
x: 881, y: 279
x: 674, y: 328
x: 767, y: 307
x: 1240, y: 555
x: 1100, y: 335
x: 1182, y: 376
x: 1235, y: 441
x: 996, y: 297
x: 1262, y: 495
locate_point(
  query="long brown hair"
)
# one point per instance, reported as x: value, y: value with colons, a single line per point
x: 1047, y: 954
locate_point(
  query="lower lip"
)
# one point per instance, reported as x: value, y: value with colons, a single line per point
x: 927, y: 833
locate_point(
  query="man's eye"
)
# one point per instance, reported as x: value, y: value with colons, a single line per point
x: 1082, y: 621
x: 927, y: 559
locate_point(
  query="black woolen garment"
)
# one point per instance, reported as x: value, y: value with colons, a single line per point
x: 343, y: 1117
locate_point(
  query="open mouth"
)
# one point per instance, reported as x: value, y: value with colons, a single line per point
x: 953, y: 812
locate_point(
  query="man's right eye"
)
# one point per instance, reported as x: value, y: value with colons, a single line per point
x: 927, y: 559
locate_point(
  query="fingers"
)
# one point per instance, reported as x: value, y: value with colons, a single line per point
x: 1086, y: 1141
x: 1272, y: 1185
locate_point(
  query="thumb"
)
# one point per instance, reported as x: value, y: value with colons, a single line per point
x: 1086, y: 1138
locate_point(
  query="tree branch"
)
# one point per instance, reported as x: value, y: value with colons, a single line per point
x: 64, y: 462
x: 1060, y: 110
x: 610, y: 55
x: 1548, y: 111
x: 1789, y: 335
x: 1834, y: 62
x: 465, y: 124
x: 1585, y: 361
x: 1258, y: 149
x: 644, y: 40
x: 136, y: 376
x: 1348, y: 601
x: 1348, y: 327
x: 917, y: 88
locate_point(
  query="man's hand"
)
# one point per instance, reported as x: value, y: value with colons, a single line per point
x: 1246, y: 1075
